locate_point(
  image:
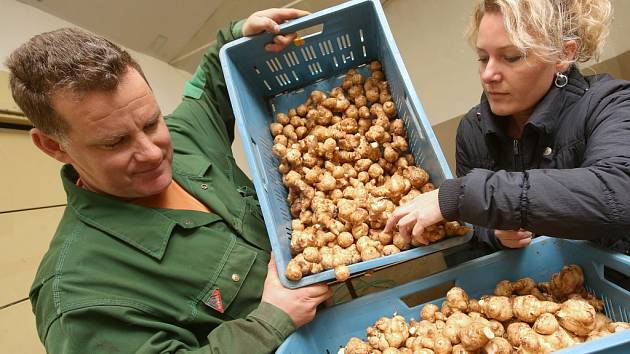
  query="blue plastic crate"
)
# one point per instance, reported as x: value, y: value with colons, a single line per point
x: 261, y: 84
x: 333, y: 327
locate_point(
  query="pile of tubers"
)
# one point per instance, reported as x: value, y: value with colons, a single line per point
x: 345, y: 161
x: 521, y: 317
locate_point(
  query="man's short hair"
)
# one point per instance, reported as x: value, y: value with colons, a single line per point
x: 65, y: 60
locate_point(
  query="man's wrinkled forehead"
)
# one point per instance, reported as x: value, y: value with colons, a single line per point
x: 82, y: 106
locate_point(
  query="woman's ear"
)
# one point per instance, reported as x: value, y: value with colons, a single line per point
x: 568, y: 53
x: 49, y: 145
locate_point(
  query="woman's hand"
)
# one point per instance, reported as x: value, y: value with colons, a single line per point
x: 413, y: 217
x: 514, y: 238
x: 269, y: 20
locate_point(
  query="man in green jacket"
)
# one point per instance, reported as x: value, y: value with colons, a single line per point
x: 162, y: 247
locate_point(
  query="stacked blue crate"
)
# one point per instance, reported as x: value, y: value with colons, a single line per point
x: 333, y: 327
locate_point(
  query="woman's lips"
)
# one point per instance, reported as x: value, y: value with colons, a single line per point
x: 496, y: 93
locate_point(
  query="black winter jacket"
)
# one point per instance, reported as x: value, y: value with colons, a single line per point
x: 567, y: 176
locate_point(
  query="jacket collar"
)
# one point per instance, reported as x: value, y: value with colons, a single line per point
x: 545, y: 116
x: 146, y: 229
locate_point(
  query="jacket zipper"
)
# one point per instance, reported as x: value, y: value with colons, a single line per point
x: 517, y: 159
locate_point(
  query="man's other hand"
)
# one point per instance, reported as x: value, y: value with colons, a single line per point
x: 300, y: 304
x: 269, y: 20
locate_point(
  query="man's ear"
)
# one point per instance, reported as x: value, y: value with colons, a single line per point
x: 49, y: 145
x: 569, y: 53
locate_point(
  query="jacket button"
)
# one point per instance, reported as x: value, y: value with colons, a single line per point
x: 547, y: 151
x: 204, y: 186
x: 236, y: 277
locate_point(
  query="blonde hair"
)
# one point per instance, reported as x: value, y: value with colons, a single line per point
x: 541, y: 27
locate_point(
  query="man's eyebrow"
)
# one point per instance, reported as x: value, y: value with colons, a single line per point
x: 155, y: 116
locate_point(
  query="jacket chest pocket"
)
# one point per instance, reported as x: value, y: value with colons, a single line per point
x: 568, y: 156
x: 250, y: 198
x: 240, y: 209
x: 252, y: 223
x: 232, y: 293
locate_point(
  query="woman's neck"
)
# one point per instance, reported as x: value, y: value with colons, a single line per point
x: 516, y: 125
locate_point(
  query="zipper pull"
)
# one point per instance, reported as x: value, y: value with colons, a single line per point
x: 515, y: 146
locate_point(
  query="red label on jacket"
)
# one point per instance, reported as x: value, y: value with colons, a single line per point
x: 214, y: 300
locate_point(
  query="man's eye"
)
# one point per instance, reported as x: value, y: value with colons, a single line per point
x: 113, y: 145
x: 151, y: 126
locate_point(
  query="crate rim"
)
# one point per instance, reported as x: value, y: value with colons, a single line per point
x: 410, y: 286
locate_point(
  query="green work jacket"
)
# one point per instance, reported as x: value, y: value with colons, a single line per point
x: 121, y: 278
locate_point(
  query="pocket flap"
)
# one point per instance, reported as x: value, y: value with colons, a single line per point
x: 235, y: 268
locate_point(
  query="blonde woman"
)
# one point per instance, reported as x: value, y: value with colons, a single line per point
x: 547, y: 150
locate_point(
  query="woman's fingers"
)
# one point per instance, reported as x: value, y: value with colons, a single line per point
x: 418, y: 231
x: 514, y: 239
x: 517, y: 235
x: 406, y: 225
x: 393, y: 220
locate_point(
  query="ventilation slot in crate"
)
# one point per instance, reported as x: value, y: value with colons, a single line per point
x: 615, y: 311
x: 315, y: 68
x: 326, y: 47
x: 283, y: 79
x: 291, y: 59
x: 308, y: 53
x: 343, y: 41
x: 274, y: 65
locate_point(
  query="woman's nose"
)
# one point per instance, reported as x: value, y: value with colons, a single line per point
x: 490, y: 72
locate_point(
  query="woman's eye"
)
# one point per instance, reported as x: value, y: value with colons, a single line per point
x: 482, y: 60
x: 513, y: 59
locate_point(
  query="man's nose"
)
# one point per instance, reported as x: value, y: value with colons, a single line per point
x: 147, y: 150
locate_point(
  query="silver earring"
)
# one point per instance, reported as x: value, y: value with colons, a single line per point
x: 561, y: 80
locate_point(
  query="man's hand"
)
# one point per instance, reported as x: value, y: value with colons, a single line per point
x: 300, y: 304
x: 413, y: 217
x: 269, y: 20
x: 514, y: 239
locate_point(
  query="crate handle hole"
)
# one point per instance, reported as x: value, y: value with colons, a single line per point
x: 427, y: 295
x: 617, y: 278
x: 309, y: 32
